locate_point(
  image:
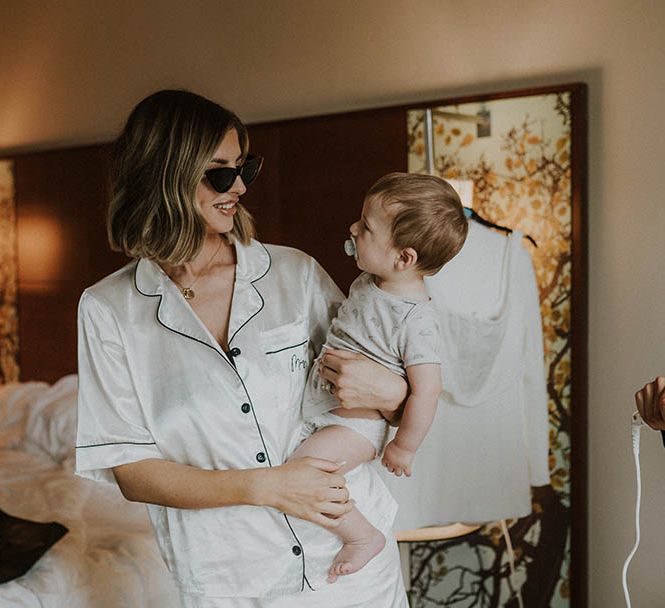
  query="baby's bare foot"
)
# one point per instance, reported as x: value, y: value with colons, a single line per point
x: 354, y: 555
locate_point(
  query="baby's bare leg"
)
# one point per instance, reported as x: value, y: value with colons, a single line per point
x: 362, y: 541
x: 339, y: 444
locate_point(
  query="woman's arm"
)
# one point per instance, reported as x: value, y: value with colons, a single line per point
x: 357, y: 381
x: 307, y: 488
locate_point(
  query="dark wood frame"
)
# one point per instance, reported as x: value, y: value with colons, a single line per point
x: 579, y: 331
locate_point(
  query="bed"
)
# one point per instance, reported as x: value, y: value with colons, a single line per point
x: 108, y: 557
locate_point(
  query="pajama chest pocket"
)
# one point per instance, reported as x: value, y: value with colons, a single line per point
x: 288, y: 358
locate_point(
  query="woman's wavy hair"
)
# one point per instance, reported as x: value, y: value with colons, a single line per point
x: 427, y: 215
x: 158, y: 161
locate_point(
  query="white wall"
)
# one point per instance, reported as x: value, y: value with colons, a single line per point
x: 71, y: 70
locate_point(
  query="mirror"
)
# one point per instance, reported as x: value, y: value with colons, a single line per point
x: 523, y: 156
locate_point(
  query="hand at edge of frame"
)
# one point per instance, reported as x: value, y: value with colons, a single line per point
x: 650, y: 402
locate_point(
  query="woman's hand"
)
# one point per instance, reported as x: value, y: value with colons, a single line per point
x: 650, y: 402
x: 357, y: 381
x: 308, y: 488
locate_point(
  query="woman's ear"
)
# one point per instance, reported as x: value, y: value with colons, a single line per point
x: 408, y: 258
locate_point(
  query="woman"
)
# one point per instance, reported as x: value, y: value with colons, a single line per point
x: 192, y: 364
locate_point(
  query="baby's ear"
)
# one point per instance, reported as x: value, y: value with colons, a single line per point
x: 408, y: 258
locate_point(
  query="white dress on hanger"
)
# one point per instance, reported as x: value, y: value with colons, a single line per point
x: 489, y: 440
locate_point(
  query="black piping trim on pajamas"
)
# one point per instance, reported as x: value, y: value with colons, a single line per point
x: 302, y: 555
x: 230, y: 357
x: 305, y: 577
x: 98, y: 445
x: 258, y: 426
x: 288, y: 523
x: 272, y: 352
x: 258, y: 293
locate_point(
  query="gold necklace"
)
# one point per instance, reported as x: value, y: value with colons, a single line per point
x: 188, y: 292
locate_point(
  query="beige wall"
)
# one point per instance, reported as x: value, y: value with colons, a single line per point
x: 71, y: 70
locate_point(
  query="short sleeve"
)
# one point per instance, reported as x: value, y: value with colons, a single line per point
x: 419, y: 341
x: 111, y: 426
x: 324, y: 298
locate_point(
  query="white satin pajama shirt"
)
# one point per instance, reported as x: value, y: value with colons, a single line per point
x: 154, y: 383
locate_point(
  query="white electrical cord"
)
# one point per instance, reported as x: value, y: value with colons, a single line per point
x: 636, y: 426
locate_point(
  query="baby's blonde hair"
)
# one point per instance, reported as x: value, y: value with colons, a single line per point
x: 427, y: 215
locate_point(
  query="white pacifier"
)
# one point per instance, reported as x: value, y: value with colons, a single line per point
x: 350, y: 247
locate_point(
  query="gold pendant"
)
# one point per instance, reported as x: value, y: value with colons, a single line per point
x: 187, y: 292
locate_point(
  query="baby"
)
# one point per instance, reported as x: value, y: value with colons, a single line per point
x: 410, y: 226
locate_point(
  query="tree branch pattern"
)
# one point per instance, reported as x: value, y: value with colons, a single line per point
x: 8, y: 270
x: 529, y: 189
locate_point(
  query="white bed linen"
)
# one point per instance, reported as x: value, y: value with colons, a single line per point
x: 109, y: 557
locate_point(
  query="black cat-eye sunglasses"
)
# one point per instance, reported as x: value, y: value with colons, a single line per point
x: 222, y: 178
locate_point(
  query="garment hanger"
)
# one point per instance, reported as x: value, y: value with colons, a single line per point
x: 429, y: 162
x: 471, y: 214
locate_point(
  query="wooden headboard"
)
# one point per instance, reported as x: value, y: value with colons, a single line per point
x: 311, y: 188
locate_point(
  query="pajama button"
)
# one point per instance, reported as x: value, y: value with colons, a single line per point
x: 234, y: 352
x: 261, y: 457
x: 245, y: 408
x: 296, y: 550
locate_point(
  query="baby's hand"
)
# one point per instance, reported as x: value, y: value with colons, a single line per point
x: 397, y: 460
